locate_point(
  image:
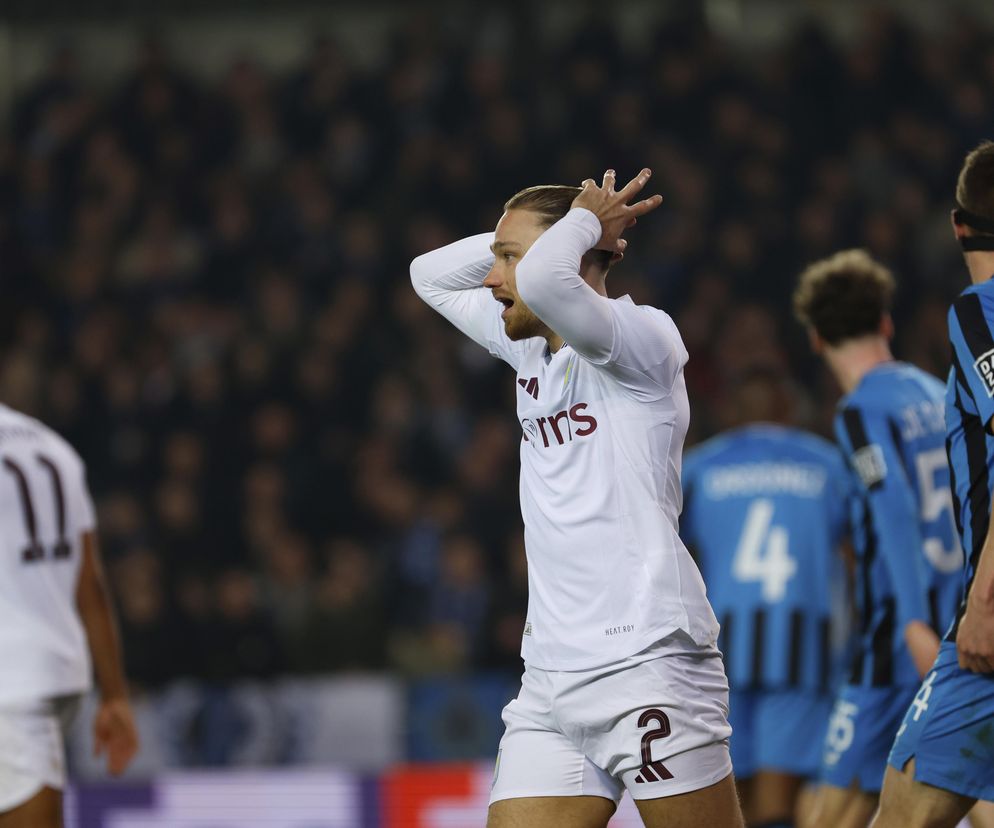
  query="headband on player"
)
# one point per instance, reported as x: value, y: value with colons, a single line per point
x: 979, y: 223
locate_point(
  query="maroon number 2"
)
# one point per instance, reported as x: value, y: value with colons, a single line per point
x: 653, y: 771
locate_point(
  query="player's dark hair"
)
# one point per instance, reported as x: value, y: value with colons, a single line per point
x: 551, y: 202
x: 844, y: 296
x: 975, y: 199
x: 975, y: 185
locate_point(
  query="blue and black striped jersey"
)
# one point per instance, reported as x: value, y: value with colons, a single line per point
x: 909, y: 560
x: 765, y: 512
x: 969, y: 409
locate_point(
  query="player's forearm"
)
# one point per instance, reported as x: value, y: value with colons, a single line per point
x: 901, y: 548
x: 549, y: 282
x: 982, y: 590
x: 461, y: 265
x: 97, y: 615
x: 923, y: 645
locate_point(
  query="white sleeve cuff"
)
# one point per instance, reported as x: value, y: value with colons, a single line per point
x: 588, y: 222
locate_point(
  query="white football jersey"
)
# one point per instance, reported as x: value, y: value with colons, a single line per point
x: 44, y: 510
x: 603, y: 424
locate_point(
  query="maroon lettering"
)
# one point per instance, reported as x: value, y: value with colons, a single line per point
x: 577, y: 417
x: 574, y: 416
x: 554, y: 422
x: 541, y: 427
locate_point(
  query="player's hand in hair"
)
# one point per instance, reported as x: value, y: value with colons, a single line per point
x: 612, y: 208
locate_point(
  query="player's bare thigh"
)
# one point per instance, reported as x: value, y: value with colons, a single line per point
x: 836, y: 807
x: 43, y: 810
x: 982, y: 815
x: 905, y: 803
x: 716, y: 806
x: 805, y: 808
x: 550, y: 812
x: 773, y: 797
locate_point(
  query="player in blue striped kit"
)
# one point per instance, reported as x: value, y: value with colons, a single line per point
x: 908, y: 559
x: 943, y: 758
x: 765, y: 513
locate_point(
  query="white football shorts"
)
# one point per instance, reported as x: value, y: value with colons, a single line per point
x: 32, y: 748
x: 655, y: 723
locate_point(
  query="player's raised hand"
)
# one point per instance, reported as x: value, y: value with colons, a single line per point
x: 115, y: 734
x: 612, y: 208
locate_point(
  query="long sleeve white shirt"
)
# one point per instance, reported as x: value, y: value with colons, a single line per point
x: 603, y: 424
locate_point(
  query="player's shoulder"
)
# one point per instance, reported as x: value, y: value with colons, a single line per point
x: 626, y: 305
x: 890, y: 388
x: 980, y: 289
x: 927, y: 385
x: 18, y: 428
x: 802, y: 442
x: 707, y: 451
x: 873, y: 394
x: 788, y: 443
x: 763, y: 440
x: 976, y: 301
x: 626, y: 308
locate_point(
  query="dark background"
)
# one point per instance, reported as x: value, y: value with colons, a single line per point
x: 299, y: 468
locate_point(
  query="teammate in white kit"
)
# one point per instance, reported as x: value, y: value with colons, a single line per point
x: 56, y: 622
x: 623, y: 685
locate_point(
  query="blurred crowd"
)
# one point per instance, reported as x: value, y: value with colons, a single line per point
x: 299, y: 467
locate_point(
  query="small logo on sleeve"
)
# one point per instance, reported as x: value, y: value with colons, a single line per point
x: 985, y: 370
x: 870, y: 465
x: 528, y: 628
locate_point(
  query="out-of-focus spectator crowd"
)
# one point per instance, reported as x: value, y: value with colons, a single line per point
x: 298, y: 466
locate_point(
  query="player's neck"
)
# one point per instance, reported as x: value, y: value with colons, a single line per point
x: 981, y: 266
x: 555, y: 342
x: 854, y: 359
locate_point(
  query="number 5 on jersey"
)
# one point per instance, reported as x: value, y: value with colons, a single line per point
x: 762, y: 554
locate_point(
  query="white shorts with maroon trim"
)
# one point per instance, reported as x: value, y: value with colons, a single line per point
x: 655, y: 723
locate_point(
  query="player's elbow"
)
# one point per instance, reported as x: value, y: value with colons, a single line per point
x: 420, y: 274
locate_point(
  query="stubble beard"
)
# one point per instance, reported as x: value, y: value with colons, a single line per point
x: 523, y: 324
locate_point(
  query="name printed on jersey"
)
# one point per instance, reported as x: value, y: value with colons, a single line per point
x: 747, y: 479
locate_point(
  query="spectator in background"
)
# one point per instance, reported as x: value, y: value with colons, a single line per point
x: 345, y: 628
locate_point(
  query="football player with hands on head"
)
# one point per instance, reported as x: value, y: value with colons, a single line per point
x: 623, y: 687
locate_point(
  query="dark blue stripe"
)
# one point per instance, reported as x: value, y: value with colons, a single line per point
x: 855, y: 429
x: 973, y: 324
x: 969, y: 463
x: 883, y: 645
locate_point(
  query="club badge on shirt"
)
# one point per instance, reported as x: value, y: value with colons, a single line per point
x: 984, y: 367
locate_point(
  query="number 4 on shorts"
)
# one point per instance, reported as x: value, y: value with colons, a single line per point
x: 920, y: 704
